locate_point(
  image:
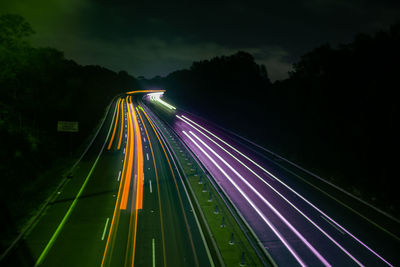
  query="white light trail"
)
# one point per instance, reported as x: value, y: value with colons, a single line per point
x: 166, y: 104
x: 157, y: 97
x: 288, y: 224
x: 283, y: 197
x: 277, y: 233
x: 288, y: 187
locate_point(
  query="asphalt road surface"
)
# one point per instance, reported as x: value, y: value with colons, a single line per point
x: 124, y: 206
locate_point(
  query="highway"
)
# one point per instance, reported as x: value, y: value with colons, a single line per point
x: 297, y: 222
x: 123, y: 206
x: 126, y: 203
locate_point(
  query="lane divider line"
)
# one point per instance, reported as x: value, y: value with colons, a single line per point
x: 105, y: 229
x: 154, y: 253
x: 334, y: 226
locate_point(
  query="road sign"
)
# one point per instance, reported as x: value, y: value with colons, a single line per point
x: 68, y: 126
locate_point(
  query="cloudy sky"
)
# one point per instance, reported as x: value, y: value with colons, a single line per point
x: 149, y: 38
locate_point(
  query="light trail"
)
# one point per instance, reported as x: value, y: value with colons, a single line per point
x: 134, y: 202
x: 244, y: 195
x: 166, y: 104
x: 112, y: 233
x: 288, y: 224
x: 139, y: 160
x: 115, y: 219
x: 129, y: 153
x: 139, y: 184
x: 155, y: 95
x: 277, y: 192
x: 115, y: 126
x: 292, y: 190
x: 122, y: 124
x: 144, y: 91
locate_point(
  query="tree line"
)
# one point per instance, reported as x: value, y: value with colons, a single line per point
x: 337, y: 114
x: 38, y: 88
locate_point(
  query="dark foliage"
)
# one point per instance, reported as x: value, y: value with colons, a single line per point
x: 336, y: 114
x: 38, y: 88
x: 220, y: 84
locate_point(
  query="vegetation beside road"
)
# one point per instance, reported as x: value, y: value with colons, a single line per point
x: 38, y: 88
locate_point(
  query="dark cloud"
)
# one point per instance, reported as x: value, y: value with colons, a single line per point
x: 156, y: 37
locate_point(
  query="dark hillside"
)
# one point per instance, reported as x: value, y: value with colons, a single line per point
x: 38, y: 88
x: 336, y: 114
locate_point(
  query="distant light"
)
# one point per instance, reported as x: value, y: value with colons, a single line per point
x: 166, y: 104
x: 157, y: 97
x: 144, y: 91
x: 154, y: 96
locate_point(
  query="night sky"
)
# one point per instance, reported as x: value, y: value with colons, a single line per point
x: 148, y: 38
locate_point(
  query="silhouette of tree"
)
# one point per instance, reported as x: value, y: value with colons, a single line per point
x: 336, y: 114
x: 38, y: 87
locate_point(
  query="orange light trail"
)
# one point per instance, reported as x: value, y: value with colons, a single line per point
x: 115, y: 126
x: 129, y: 152
x: 115, y: 219
x: 144, y: 91
x: 139, y: 186
x: 122, y: 124
x: 139, y: 162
